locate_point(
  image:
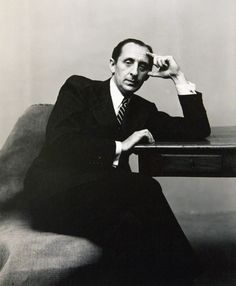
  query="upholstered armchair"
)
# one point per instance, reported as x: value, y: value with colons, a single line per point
x: 29, y: 257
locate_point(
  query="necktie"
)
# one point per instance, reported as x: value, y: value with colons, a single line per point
x: 123, y: 107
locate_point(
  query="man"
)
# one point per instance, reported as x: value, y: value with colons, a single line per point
x: 81, y: 183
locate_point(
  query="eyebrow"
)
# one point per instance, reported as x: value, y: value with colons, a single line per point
x: 132, y: 59
x: 128, y: 58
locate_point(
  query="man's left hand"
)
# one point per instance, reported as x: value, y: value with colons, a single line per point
x: 166, y: 66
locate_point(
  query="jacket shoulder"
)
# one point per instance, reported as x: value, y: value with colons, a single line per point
x: 77, y: 84
x: 143, y: 101
x: 80, y: 80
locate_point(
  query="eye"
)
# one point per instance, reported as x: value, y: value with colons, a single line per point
x: 128, y: 62
x: 143, y: 67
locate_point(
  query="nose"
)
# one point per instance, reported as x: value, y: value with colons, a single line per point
x: 134, y: 70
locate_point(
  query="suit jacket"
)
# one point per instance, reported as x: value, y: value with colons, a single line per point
x: 83, y: 127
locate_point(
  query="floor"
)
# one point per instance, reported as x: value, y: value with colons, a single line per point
x: 214, y: 238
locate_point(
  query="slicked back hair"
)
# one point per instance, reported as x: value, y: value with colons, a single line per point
x: 118, y: 49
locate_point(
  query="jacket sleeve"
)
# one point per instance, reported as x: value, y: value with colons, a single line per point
x: 68, y: 140
x: 194, y: 125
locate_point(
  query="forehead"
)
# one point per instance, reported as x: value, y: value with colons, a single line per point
x: 132, y: 50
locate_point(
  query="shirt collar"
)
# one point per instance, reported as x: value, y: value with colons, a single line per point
x: 116, y: 95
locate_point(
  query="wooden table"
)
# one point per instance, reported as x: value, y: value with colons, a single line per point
x: 213, y: 157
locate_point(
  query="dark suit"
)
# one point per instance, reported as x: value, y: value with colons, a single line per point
x: 80, y: 193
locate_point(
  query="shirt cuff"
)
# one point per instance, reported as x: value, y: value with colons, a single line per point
x: 118, y: 153
x: 187, y: 88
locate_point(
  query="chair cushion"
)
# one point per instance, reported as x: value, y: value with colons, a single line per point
x: 21, y: 147
x: 29, y: 257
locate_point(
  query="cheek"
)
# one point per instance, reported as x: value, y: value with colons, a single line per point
x: 123, y: 73
x: 143, y: 76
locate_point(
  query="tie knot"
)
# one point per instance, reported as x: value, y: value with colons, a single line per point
x: 125, y: 101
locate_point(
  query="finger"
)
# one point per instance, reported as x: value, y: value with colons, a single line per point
x: 150, y: 54
x: 154, y: 74
x: 150, y: 138
x: 164, y: 61
x: 159, y: 62
x: 144, y: 133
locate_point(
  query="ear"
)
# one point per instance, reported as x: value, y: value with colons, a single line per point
x: 112, y: 65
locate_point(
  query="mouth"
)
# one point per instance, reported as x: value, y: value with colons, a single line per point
x: 131, y: 82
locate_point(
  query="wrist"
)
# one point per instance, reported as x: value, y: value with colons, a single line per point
x: 118, y: 147
x: 123, y: 147
x: 179, y: 78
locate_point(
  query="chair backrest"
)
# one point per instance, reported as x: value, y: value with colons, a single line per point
x: 21, y: 147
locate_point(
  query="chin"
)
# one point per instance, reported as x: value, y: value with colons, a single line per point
x: 131, y: 88
x: 134, y: 89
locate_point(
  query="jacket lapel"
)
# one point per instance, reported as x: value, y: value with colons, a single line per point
x: 102, y: 105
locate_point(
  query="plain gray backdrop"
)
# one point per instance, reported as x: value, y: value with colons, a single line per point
x: 44, y: 42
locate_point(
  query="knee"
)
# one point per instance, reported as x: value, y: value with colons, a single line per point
x: 150, y: 183
x: 145, y: 186
x: 155, y: 184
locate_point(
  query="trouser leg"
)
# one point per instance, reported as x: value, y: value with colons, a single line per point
x: 128, y: 216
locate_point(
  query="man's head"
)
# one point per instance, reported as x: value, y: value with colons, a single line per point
x: 130, y: 65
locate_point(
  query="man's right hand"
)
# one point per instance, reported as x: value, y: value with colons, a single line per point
x: 133, y: 139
